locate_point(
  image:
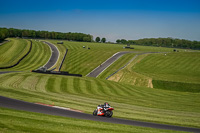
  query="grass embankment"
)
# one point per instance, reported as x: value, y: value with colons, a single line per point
x: 173, y: 71
x: 13, y: 51
x: 38, y: 57
x: 21, y: 121
x: 130, y: 102
x: 128, y: 76
x: 180, y: 67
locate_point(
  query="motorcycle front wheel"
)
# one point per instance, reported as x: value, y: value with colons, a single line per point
x: 108, y: 113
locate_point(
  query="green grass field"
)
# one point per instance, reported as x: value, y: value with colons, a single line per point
x: 143, y: 88
x: 173, y: 71
x: 38, y: 56
x: 180, y: 67
x: 21, y: 121
x: 128, y: 76
x: 139, y: 103
x: 12, y: 51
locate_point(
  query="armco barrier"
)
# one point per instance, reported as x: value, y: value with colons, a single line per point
x: 57, y: 73
x: 63, y: 59
x: 19, y: 59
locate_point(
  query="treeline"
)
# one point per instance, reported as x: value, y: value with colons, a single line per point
x: 163, y: 42
x: 11, y: 32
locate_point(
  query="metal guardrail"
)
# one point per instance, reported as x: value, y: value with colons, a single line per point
x: 63, y: 60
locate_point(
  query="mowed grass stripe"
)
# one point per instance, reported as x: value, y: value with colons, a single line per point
x: 54, y: 84
x: 13, y: 51
x: 142, y: 103
x: 34, y: 57
x: 4, y: 77
x: 77, y: 86
x: 104, y: 89
x: 100, y: 88
x: 63, y: 85
x: 113, y: 89
x: 125, y: 90
x: 38, y: 56
x: 50, y: 85
x: 180, y: 65
x: 43, y: 58
x: 42, y: 81
x: 89, y: 87
x: 12, y: 79
x: 117, y: 89
x: 70, y: 85
x: 57, y: 85
x: 83, y: 87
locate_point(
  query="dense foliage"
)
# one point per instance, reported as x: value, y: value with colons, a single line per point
x: 103, y: 40
x: 97, y: 39
x: 11, y: 32
x: 163, y: 42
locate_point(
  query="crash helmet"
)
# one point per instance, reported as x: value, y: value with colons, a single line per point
x: 106, y: 104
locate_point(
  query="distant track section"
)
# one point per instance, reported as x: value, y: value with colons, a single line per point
x: 130, y: 62
x: 26, y: 106
x: 54, y: 56
x: 107, y: 63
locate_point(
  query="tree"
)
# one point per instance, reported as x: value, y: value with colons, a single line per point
x: 118, y: 41
x: 86, y: 39
x: 4, y: 33
x: 97, y: 39
x: 34, y: 35
x: 123, y: 41
x: 103, y: 40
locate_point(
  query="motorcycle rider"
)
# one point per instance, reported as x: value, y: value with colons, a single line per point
x: 101, y: 108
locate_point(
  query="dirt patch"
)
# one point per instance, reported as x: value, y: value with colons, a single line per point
x: 150, y: 84
x: 116, y: 77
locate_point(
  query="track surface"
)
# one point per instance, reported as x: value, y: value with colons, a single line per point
x: 2, y: 72
x: 107, y: 63
x: 54, y: 55
x: 26, y: 106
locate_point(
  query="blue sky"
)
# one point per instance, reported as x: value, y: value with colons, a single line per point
x: 113, y: 19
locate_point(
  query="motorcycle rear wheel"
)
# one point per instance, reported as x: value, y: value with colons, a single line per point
x: 95, y: 112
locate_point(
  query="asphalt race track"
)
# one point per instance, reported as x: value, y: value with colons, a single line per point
x: 54, y: 55
x: 107, y: 63
x: 26, y: 106
x: 2, y: 72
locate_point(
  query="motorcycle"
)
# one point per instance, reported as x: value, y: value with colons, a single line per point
x: 103, y: 111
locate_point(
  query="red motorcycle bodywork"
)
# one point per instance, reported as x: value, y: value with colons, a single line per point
x: 101, y: 110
